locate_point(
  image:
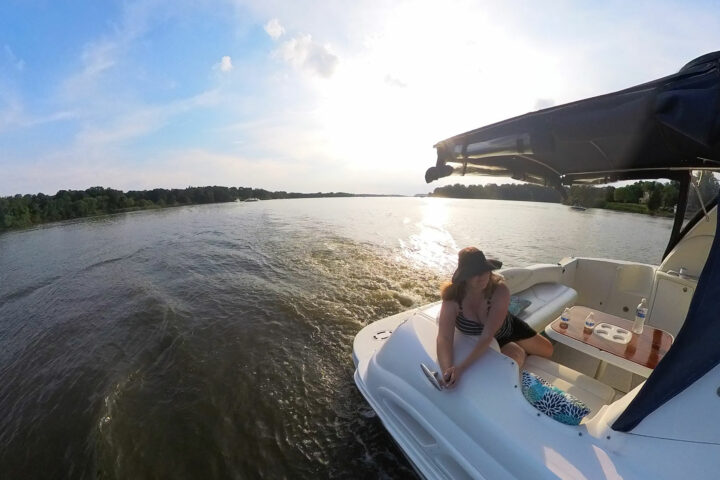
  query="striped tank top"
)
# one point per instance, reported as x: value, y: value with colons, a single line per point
x: 467, y: 326
x: 471, y: 327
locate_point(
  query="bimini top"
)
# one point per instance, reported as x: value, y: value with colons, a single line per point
x: 652, y: 130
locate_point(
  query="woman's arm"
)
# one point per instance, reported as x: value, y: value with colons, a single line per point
x: 446, y: 334
x: 498, y: 311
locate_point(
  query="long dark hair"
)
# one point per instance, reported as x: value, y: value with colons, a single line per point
x: 453, y: 291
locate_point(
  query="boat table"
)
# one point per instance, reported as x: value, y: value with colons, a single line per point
x: 640, y: 355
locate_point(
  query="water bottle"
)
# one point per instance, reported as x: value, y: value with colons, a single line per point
x: 565, y: 318
x: 640, y: 315
x: 590, y: 322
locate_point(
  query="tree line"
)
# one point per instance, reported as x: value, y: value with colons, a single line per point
x: 642, y: 196
x: 654, y: 195
x: 491, y: 191
x: 26, y: 210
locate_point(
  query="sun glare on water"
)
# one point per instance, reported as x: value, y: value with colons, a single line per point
x: 433, y: 245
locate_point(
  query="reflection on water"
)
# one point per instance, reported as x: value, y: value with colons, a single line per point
x: 215, y: 341
x: 433, y: 245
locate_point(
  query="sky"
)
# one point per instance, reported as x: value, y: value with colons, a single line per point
x: 303, y: 95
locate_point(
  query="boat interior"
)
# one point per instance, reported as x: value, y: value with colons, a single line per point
x: 640, y: 423
x: 611, y: 286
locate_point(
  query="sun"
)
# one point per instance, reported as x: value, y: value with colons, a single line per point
x: 427, y: 72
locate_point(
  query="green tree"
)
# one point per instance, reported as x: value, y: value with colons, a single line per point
x: 655, y: 200
x: 708, y: 187
x: 620, y: 194
x: 670, y: 195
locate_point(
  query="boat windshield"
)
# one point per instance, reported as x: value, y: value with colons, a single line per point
x: 705, y: 189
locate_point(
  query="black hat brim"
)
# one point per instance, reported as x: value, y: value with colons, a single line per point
x: 470, y: 271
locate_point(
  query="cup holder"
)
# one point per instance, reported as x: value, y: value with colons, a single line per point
x: 613, y: 333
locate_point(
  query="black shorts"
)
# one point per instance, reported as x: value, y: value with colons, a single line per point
x: 513, y: 329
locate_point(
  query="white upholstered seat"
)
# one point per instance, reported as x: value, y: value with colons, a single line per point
x: 548, y: 302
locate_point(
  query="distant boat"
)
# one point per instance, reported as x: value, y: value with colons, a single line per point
x: 251, y: 199
x: 578, y: 207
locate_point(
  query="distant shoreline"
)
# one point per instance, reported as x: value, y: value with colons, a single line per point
x: 25, y: 211
x: 635, y: 198
x: 636, y: 208
x: 614, y: 206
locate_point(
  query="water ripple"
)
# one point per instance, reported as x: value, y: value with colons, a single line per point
x: 215, y: 341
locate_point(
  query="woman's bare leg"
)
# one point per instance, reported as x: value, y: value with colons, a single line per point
x: 514, y: 351
x: 537, y: 345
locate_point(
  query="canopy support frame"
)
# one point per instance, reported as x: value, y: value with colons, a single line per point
x: 679, y: 213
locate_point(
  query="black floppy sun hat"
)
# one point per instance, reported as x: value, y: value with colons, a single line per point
x: 471, y: 262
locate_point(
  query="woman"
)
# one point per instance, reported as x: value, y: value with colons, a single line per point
x: 476, y: 303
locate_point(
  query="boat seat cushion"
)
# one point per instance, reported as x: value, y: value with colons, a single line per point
x: 547, y: 301
x: 552, y: 401
x: 591, y: 392
x: 518, y: 305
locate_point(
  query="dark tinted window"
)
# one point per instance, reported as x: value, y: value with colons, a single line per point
x: 707, y: 188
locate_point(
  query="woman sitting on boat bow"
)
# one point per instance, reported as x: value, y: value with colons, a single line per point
x: 476, y: 303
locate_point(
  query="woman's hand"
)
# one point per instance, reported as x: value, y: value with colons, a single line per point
x: 452, y: 376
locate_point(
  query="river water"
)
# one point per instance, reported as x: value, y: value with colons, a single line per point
x: 215, y: 341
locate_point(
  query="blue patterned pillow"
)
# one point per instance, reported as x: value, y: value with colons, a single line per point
x: 552, y: 401
x: 518, y: 305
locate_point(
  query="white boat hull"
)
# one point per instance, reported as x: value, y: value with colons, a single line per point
x: 486, y: 429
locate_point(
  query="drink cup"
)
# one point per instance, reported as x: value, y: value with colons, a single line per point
x: 565, y: 319
x: 590, y: 322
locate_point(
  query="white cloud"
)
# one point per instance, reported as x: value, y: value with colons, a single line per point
x: 367, y: 123
x: 100, y: 55
x: 394, y: 82
x: 11, y: 110
x: 206, y: 167
x: 169, y: 169
x: 13, y: 113
x: 304, y: 53
x: 297, y: 128
x: 225, y: 64
x: 16, y: 62
x: 97, y: 58
x: 49, y: 118
x: 139, y: 120
x: 274, y: 29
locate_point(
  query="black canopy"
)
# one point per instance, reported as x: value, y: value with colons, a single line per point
x: 654, y: 130
x: 661, y: 129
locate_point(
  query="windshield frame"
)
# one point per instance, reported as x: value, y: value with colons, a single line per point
x: 675, y: 238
